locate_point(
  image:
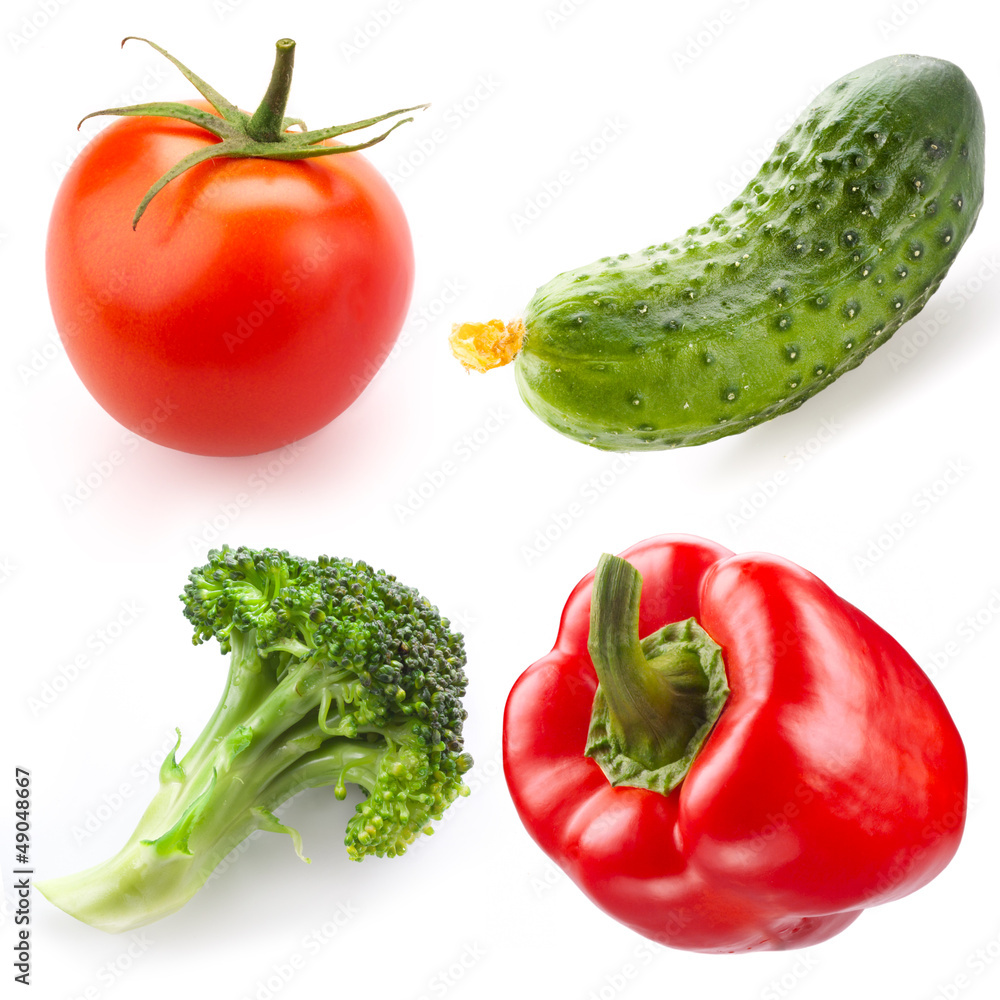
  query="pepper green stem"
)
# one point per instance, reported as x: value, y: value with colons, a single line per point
x: 658, y: 697
x: 266, y: 123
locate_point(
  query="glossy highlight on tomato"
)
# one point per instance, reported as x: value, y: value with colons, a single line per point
x: 251, y: 305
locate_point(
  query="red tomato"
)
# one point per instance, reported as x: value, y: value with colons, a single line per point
x: 252, y: 304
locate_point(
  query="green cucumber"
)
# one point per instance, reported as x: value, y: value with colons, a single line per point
x: 843, y: 235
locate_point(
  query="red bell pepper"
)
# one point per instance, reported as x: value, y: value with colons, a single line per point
x: 828, y: 778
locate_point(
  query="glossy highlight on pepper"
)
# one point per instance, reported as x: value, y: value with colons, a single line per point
x: 833, y: 779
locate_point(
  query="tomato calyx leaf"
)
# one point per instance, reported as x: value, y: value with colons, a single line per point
x: 267, y: 134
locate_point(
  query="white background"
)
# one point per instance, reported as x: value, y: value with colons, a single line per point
x: 653, y: 145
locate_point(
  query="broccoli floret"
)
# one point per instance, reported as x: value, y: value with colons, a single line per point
x: 337, y: 674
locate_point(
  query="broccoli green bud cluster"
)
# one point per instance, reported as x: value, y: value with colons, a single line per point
x: 339, y: 674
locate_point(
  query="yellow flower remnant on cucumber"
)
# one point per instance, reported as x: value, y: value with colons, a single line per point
x: 482, y: 346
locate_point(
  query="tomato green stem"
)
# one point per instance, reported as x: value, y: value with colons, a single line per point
x: 266, y: 123
x: 658, y: 697
x: 264, y: 135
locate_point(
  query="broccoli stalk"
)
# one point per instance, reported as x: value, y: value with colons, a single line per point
x: 337, y: 674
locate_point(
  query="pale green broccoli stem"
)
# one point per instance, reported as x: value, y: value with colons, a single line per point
x: 220, y: 793
x: 145, y: 881
x: 247, y: 685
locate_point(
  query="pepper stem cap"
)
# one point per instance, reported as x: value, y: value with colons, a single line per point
x: 658, y: 697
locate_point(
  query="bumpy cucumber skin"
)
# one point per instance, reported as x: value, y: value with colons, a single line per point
x: 844, y: 234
